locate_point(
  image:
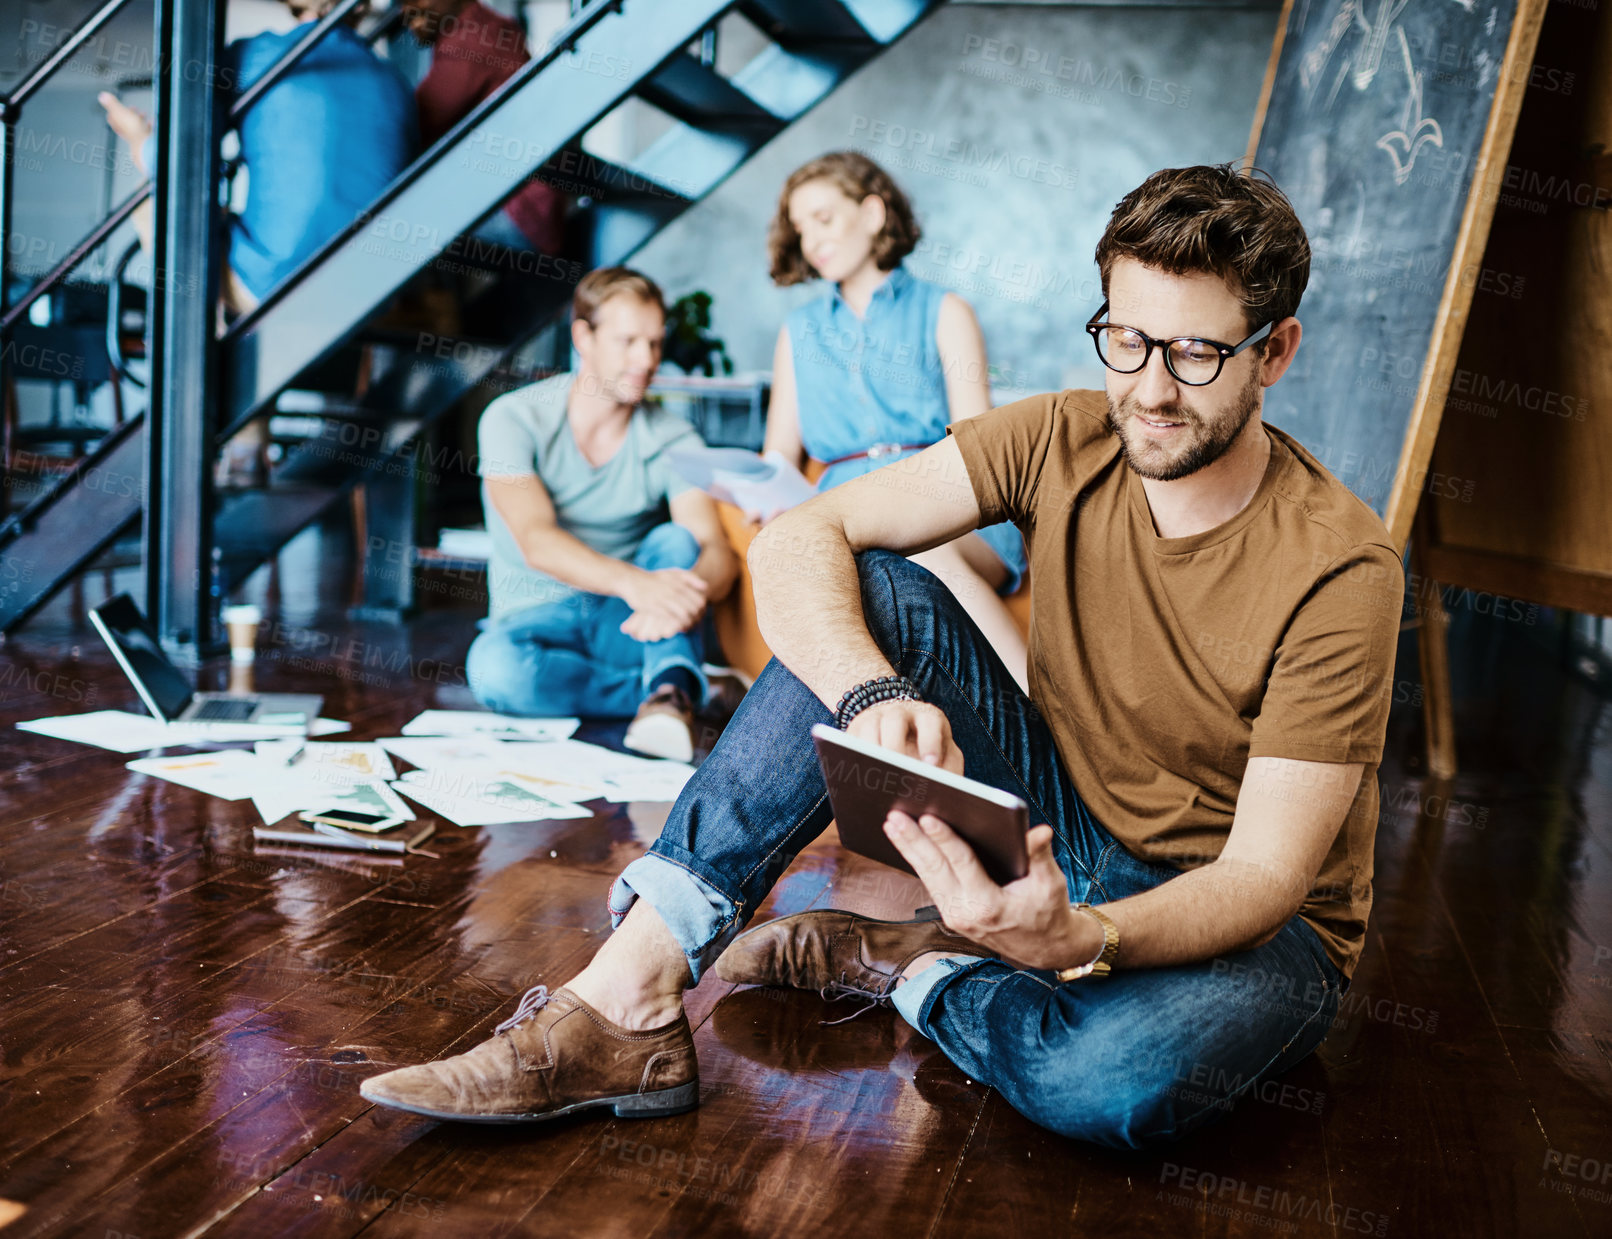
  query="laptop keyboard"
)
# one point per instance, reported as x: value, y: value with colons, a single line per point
x: 225, y: 710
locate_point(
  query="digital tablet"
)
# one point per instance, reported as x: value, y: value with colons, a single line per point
x: 866, y: 781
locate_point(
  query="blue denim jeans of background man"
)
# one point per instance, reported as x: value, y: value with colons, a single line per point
x: 1143, y: 1056
x: 570, y: 658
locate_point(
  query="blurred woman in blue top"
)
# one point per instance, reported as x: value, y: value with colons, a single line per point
x: 875, y: 368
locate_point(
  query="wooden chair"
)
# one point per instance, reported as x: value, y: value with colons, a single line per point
x: 735, y: 615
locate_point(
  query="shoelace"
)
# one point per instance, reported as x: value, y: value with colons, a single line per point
x: 533, y: 1001
x: 835, y: 990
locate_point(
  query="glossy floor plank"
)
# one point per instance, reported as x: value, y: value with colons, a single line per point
x: 185, y: 1018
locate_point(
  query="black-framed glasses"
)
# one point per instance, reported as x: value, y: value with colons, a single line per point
x: 1195, y: 361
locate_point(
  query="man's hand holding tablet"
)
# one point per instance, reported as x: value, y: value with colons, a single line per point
x: 1028, y: 920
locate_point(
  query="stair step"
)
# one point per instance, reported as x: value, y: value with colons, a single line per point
x: 586, y: 175
x: 700, y: 159
x: 61, y: 531
x: 798, y: 24
x: 789, y: 83
x: 698, y: 95
x: 252, y: 525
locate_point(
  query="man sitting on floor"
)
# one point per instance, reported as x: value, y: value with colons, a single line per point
x: 597, y: 598
x: 1211, y: 657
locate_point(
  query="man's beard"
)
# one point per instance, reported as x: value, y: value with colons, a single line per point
x: 1206, y: 445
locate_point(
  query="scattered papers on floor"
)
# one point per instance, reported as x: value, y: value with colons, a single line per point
x: 276, y: 804
x: 469, y: 797
x: 474, y: 768
x: 485, y: 723
x: 480, y: 780
x: 324, y: 776
x: 621, y: 776
x: 303, y: 777
x: 429, y: 751
x: 122, y: 732
x: 229, y: 774
x: 342, y: 762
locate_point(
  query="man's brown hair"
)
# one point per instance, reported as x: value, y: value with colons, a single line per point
x: 856, y: 176
x: 1218, y: 219
x: 603, y: 283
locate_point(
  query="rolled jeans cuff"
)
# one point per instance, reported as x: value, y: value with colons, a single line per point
x: 701, y: 918
x: 656, y: 667
x: 915, y: 996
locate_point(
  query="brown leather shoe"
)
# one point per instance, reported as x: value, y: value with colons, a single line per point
x: 554, y: 1056
x: 663, y: 726
x: 837, y: 953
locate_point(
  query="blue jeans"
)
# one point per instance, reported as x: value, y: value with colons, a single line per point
x: 570, y: 657
x: 1146, y: 1055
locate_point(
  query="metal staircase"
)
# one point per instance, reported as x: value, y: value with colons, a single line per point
x: 534, y: 126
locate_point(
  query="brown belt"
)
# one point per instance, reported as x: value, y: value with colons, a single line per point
x: 877, y: 451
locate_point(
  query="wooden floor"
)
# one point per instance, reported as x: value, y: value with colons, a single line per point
x: 184, y: 1018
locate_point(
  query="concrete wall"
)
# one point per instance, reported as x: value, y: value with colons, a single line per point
x: 1014, y: 129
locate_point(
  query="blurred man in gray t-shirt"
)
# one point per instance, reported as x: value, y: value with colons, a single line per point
x: 603, y: 559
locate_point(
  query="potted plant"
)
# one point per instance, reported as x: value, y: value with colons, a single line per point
x: 690, y: 346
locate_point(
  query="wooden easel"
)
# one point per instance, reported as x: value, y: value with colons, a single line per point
x: 1413, y: 510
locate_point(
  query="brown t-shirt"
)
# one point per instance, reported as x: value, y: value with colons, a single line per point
x: 1162, y: 665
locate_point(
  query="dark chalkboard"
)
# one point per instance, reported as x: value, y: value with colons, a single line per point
x: 1388, y: 124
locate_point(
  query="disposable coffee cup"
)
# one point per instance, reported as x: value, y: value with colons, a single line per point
x: 242, y: 622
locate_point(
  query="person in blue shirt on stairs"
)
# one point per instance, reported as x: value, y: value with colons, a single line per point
x: 318, y: 147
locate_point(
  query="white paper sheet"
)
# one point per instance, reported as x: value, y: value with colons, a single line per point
x: 122, y: 732
x: 431, y: 751
x: 621, y: 776
x: 470, y: 798
x: 485, y: 723
x: 766, y: 484
x: 341, y: 761
x: 229, y: 774
x: 372, y: 796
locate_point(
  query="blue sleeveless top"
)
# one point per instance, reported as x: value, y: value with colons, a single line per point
x: 877, y: 378
x: 866, y: 380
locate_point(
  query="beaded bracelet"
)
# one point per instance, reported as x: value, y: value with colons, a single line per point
x: 872, y: 692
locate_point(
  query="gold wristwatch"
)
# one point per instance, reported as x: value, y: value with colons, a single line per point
x: 1103, y: 964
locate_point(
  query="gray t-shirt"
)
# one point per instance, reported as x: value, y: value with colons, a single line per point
x: 610, y: 508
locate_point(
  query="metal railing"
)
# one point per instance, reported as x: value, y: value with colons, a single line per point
x: 562, y: 42
x: 584, y: 19
x: 10, y: 114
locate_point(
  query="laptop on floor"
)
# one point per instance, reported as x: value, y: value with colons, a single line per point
x: 167, y: 692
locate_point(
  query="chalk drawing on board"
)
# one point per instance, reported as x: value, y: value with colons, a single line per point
x: 1374, y: 40
x: 1361, y: 66
x: 1314, y: 62
x: 1415, y: 130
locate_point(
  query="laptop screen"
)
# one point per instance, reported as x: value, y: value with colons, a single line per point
x: 158, y: 681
